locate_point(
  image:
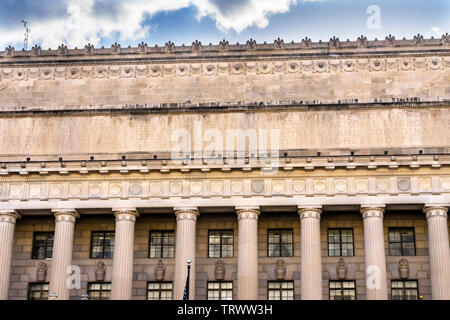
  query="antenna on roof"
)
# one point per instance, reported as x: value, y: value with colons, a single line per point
x: 27, y: 33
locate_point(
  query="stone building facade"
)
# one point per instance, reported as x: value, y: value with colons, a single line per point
x: 344, y: 195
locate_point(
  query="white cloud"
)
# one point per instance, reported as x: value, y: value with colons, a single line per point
x: 92, y: 20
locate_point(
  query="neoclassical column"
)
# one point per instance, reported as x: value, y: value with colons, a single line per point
x: 374, y: 252
x: 122, y: 273
x: 7, y: 222
x: 62, y: 252
x: 184, y: 250
x: 247, y: 275
x: 439, y: 251
x: 310, y: 253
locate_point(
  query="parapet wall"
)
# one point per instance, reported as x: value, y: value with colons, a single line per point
x: 323, y: 72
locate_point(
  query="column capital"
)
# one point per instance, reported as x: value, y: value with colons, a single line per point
x: 125, y: 214
x: 9, y: 215
x: 250, y: 212
x: 434, y: 210
x: 186, y: 213
x: 372, y: 211
x: 65, y: 214
x: 309, y: 212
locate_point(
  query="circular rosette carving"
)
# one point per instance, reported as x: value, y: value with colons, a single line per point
x: 265, y: 68
x: 101, y: 72
x: 155, y: 71
x: 407, y: 64
x: 74, y: 73
x: 128, y: 72
x: 349, y: 66
x: 237, y: 68
x: 210, y: 69
x: 382, y: 184
x: 293, y: 67
x: 47, y: 73
x: 196, y: 188
x: 155, y: 188
x: 377, y: 65
x: 135, y: 189
x: 182, y: 70
x: 20, y: 74
x: 435, y: 63
x: 175, y: 187
x: 321, y: 66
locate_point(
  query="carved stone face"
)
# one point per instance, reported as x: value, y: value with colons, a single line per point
x: 219, y: 272
x: 41, y: 272
x: 341, y: 269
x: 160, y: 271
x: 403, y: 268
x: 280, y: 270
x: 100, y: 271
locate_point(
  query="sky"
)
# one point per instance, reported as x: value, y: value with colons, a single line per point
x: 129, y: 22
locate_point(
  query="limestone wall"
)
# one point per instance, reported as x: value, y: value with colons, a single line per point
x: 50, y: 135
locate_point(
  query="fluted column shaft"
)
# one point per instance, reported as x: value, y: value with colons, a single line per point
x: 439, y: 251
x: 247, y: 276
x: 7, y: 222
x: 122, y: 273
x: 374, y: 253
x: 62, y: 252
x: 185, y: 249
x: 311, y: 254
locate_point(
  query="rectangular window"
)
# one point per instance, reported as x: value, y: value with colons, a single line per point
x: 38, y: 291
x: 220, y: 243
x: 280, y: 290
x: 42, y: 245
x: 102, y: 245
x: 340, y: 243
x: 404, y: 290
x: 99, y: 290
x: 342, y: 290
x: 402, y: 242
x: 162, y: 244
x: 159, y: 291
x: 220, y: 290
x: 280, y: 243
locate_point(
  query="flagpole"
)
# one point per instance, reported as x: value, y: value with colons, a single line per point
x: 186, y: 288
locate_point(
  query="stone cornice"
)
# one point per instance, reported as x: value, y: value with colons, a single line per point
x: 219, y: 107
x: 289, y: 163
x: 224, y: 49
